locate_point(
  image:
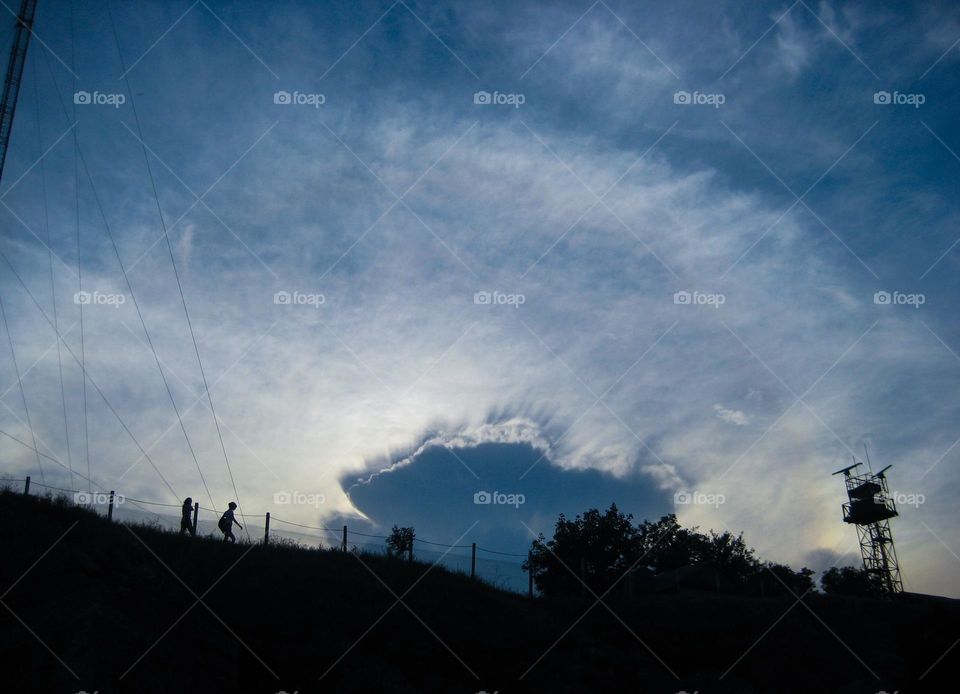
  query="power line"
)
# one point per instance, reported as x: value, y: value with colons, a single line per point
x: 76, y: 190
x: 82, y: 364
x: 53, y: 286
x: 85, y: 372
x: 173, y: 262
x: 143, y: 323
x: 23, y: 395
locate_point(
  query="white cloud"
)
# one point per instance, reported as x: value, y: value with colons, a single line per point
x: 598, y: 367
x: 731, y: 416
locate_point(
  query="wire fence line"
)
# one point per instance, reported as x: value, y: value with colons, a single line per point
x: 342, y: 535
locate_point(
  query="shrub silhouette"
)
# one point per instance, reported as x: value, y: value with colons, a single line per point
x: 850, y: 580
x: 400, y: 542
x: 780, y: 579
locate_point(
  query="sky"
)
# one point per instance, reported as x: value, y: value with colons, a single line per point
x: 685, y: 257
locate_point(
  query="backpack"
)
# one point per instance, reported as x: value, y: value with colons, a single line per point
x: 223, y: 524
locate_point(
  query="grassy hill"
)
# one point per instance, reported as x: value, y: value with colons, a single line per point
x: 106, y: 594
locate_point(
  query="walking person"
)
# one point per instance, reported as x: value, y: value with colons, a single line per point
x: 186, y: 524
x: 226, y: 523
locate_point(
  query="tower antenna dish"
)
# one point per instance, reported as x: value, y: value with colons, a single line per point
x: 870, y: 507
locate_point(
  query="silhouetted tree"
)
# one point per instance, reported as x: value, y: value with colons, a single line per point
x: 666, y: 545
x: 850, y: 580
x: 730, y: 553
x: 797, y: 582
x: 602, y: 545
x: 400, y: 541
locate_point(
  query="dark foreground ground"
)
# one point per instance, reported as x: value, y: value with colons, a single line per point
x: 114, y: 608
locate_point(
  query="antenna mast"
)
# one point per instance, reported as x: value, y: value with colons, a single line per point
x: 11, y: 84
x: 870, y: 508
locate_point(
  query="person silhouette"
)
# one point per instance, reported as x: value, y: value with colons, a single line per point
x: 226, y: 523
x: 186, y: 524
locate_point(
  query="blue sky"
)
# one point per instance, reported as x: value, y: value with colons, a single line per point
x: 735, y: 155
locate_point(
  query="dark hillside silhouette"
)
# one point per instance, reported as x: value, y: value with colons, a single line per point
x: 106, y: 593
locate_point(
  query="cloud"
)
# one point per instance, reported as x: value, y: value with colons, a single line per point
x: 795, y: 46
x: 731, y: 416
x: 598, y: 367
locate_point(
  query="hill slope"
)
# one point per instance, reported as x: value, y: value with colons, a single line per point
x: 118, y: 605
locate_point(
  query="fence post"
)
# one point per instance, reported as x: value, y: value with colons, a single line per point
x: 266, y: 530
x: 583, y: 577
x: 530, y: 574
x: 26, y: 486
x: 110, y: 508
x: 343, y: 546
x: 196, y: 514
x: 473, y: 560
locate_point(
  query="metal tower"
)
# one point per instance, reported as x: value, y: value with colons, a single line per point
x: 870, y: 508
x: 11, y: 84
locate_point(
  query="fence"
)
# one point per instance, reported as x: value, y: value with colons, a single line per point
x: 501, y: 572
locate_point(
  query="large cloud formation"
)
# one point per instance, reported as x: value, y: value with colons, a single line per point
x: 625, y: 283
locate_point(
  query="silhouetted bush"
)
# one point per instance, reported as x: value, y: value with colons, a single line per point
x: 850, y: 580
x: 780, y: 579
x: 400, y: 541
